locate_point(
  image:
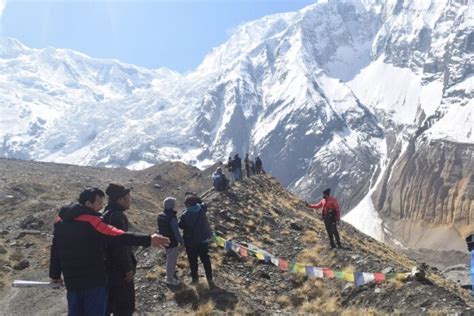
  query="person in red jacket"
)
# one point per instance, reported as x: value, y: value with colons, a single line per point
x: 331, y: 216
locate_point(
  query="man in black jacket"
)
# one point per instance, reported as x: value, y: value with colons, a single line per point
x: 77, y: 252
x: 197, y: 235
x: 120, y: 259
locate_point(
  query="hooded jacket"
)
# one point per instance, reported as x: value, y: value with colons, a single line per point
x: 78, y: 248
x: 196, y: 228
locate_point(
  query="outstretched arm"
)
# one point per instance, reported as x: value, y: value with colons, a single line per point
x: 317, y: 205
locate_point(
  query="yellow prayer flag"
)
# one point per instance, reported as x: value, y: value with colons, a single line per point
x: 260, y: 256
x: 300, y: 268
x: 220, y: 241
x: 349, y: 276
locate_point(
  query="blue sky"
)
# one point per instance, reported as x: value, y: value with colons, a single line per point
x: 176, y: 34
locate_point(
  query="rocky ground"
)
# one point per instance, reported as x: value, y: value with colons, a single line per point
x: 256, y: 210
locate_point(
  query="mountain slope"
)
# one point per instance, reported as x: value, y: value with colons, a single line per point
x: 257, y: 210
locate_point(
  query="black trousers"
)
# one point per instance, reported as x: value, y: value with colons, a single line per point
x: 121, y: 300
x: 331, y: 229
x: 202, y: 251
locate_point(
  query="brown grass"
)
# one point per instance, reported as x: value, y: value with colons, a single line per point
x: 205, y: 309
x: 284, y: 301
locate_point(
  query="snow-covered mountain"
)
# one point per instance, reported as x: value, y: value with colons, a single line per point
x: 325, y: 96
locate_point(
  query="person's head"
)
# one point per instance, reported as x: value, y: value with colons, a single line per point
x: 120, y: 195
x: 236, y: 156
x: 169, y: 203
x: 191, y: 200
x: 219, y: 170
x: 92, y: 198
x: 326, y: 193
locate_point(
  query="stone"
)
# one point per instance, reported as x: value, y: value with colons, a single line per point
x: 23, y: 264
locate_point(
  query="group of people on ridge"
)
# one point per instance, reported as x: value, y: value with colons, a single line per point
x: 92, y: 250
x: 234, y: 166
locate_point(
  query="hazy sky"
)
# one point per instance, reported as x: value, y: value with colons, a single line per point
x: 153, y: 33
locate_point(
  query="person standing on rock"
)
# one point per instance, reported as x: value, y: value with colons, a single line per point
x: 168, y: 227
x: 258, y: 165
x: 197, y: 235
x: 230, y: 167
x: 120, y: 259
x: 78, y: 250
x: 247, y: 165
x: 331, y: 216
x: 237, y: 167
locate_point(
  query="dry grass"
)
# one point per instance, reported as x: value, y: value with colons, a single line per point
x: 205, y: 309
x: 310, y: 237
x: 361, y: 312
x: 326, y: 305
x: 284, y: 301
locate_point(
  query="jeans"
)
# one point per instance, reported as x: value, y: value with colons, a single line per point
x: 121, y: 300
x: 237, y: 173
x: 90, y: 302
x: 202, y: 251
x: 171, y: 259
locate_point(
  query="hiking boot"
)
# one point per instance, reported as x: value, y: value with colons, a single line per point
x: 195, y: 281
x: 211, y: 283
x: 173, y: 282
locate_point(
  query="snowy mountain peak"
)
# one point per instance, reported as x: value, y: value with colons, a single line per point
x: 11, y: 48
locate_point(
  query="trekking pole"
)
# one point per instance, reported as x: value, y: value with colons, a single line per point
x: 37, y: 284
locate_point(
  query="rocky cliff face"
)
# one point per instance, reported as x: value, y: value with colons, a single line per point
x: 431, y: 184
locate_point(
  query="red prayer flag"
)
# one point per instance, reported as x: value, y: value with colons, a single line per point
x: 283, y: 264
x: 328, y: 273
x: 243, y: 251
x: 379, y: 277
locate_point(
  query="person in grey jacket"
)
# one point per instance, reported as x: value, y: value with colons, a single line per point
x: 197, y: 235
x: 168, y: 226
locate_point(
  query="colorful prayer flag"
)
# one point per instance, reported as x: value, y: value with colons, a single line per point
x: 283, y: 264
x: 260, y: 256
x: 220, y: 241
x: 349, y: 276
x: 359, y: 278
x: 301, y: 269
x: 251, y: 253
x: 318, y: 272
x: 267, y: 257
x: 292, y: 267
x: 379, y: 277
x: 274, y: 261
x: 228, y: 245
x: 236, y: 247
x: 243, y: 251
x: 368, y: 277
x: 328, y: 273
x: 391, y: 275
x: 310, y: 272
x: 339, y: 275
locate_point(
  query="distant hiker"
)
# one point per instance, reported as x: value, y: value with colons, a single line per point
x: 230, y: 166
x: 197, y: 234
x: 78, y: 251
x: 258, y: 165
x: 470, y: 242
x: 237, y: 164
x: 120, y: 259
x: 168, y: 227
x: 331, y: 216
x: 219, y: 180
x: 253, y: 169
x: 247, y: 165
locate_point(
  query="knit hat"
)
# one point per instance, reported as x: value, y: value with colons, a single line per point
x: 327, y: 191
x: 116, y: 191
x: 169, y: 203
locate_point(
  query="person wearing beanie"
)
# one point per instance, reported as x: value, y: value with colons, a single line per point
x: 331, y: 216
x: 120, y: 260
x: 168, y: 226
